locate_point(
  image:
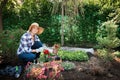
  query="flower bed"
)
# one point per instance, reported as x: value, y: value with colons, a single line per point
x: 48, y: 70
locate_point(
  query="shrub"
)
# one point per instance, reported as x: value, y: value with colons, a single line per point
x: 104, y: 54
x: 106, y: 35
x: 10, y: 41
x: 117, y: 54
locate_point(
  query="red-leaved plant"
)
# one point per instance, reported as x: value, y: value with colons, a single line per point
x: 49, y: 70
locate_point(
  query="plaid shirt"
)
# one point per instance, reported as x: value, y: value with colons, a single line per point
x: 26, y: 43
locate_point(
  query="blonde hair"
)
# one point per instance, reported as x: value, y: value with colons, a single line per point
x: 36, y: 25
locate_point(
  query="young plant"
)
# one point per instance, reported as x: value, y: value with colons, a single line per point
x: 68, y: 65
x: 73, y: 55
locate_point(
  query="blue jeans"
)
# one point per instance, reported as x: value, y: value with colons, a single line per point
x: 29, y: 56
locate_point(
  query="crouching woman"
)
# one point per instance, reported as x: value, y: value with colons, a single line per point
x: 30, y: 45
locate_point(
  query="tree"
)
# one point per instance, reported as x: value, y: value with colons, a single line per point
x: 6, y: 5
x: 2, y: 4
x: 67, y: 8
x: 106, y: 35
x: 107, y: 39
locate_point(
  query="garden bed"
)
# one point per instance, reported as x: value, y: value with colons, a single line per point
x: 94, y: 69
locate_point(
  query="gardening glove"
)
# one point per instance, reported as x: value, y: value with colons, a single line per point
x: 46, y: 48
x: 40, y: 49
x: 50, y: 50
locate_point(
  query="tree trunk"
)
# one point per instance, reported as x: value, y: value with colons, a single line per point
x: 62, y: 26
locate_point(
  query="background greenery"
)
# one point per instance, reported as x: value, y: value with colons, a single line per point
x: 92, y: 14
x: 81, y: 32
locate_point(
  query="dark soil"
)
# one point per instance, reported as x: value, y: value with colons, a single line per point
x: 94, y: 69
x: 86, y: 71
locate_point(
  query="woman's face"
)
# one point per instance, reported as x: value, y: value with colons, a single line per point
x: 34, y: 30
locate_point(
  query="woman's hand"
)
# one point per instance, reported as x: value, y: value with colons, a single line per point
x: 40, y: 49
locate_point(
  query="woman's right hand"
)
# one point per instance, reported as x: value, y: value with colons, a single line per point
x: 40, y: 49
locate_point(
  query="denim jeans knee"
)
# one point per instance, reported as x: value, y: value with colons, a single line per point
x: 27, y: 56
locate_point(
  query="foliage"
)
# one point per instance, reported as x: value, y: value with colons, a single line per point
x: 70, y: 28
x: 116, y: 18
x: 50, y: 35
x: 68, y: 65
x: 104, y: 54
x: 68, y: 55
x: 78, y: 29
x: 28, y: 12
x: 42, y: 58
x: 117, y: 53
x: 10, y: 13
x: 50, y: 70
x: 87, y: 23
x: 66, y: 8
x: 10, y: 41
x: 73, y: 56
x: 106, y: 35
x: 97, y: 47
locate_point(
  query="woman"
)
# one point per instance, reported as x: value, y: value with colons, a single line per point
x: 30, y: 44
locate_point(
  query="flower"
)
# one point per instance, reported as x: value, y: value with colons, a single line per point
x: 46, y: 52
x: 56, y: 46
